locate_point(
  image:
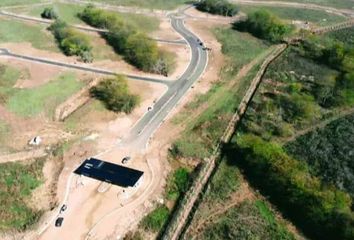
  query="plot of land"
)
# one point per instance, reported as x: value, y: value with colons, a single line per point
x: 317, y: 17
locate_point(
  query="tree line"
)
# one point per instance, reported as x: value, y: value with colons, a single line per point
x: 71, y: 41
x: 219, y: 7
x: 137, y: 48
x: 322, y: 211
x: 264, y: 25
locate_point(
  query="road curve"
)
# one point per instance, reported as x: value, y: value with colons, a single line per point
x: 145, y: 128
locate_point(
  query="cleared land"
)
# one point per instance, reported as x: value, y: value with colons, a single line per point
x: 13, y: 31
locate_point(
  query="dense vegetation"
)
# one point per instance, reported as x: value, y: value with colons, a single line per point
x: 220, y: 7
x: 323, y: 212
x: 71, y: 41
x: 155, y: 219
x: 178, y: 183
x: 264, y: 25
x: 114, y: 93
x: 49, y: 13
x: 137, y: 48
x: 329, y: 152
x: 17, y: 181
x: 249, y: 220
x: 336, y: 90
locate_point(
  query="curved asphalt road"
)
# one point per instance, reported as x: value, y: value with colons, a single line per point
x: 142, y: 131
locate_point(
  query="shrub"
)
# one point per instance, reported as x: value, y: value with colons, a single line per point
x: 323, y: 212
x: 49, y: 13
x: 115, y: 94
x: 178, y: 183
x: 265, y: 25
x: 220, y: 7
x: 155, y: 220
x: 71, y: 41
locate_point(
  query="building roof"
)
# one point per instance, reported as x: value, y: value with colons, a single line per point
x: 109, y: 172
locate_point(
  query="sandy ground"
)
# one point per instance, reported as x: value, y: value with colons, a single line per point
x: 165, y: 31
x: 124, y: 215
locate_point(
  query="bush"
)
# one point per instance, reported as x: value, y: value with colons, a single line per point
x: 115, y: 94
x: 178, y: 183
x: 220, y: 7
x: 264, y: 25
x: 49, y: 13
x: 322, y: 212
x: 155, y: 220
x: 71, y: 41
x: 137, y: 48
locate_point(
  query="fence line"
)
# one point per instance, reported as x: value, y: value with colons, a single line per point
x: 180, y: 217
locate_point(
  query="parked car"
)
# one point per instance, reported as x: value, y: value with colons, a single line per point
x: 59, y: 221
x: 125, y: 160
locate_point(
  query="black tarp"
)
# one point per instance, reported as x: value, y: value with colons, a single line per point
x: 109, y: 172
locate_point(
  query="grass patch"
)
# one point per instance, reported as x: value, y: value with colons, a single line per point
x: 69, y: 13
x: 149, y: 4
x: 333, y: 3
x: 43, y: 99
x: 19, y: 32
x: 4, y: 3
x: 8, y: 78
x: 317, y: 17
x: 250, y: 220
x: 155, y: 220
x: 17, y: 181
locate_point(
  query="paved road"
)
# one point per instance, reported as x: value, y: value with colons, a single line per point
x: 6, y: 52
x: 152, y: 120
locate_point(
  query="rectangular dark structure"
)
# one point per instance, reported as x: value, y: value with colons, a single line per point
x: 109, y: 172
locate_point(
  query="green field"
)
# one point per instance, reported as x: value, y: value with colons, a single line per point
x: 333, y: 3
x: 13, y: 31
x: 4, y: 3
x: 149, y: 4
x: 43, y: 99
x: 69, y: 13
x: 317, y: 17
x: 8, y: 78
x: 249, y: 220
x: 17, y: 181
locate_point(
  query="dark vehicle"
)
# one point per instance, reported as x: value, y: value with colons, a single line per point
x: 63, y: 208
x: 125, y: 160
x: 59, y: 222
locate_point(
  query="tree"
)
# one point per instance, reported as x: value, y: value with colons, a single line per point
x: 220, y: 7
x: 115, y: 94
x: 263, y: 24
x: 49, y: 13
